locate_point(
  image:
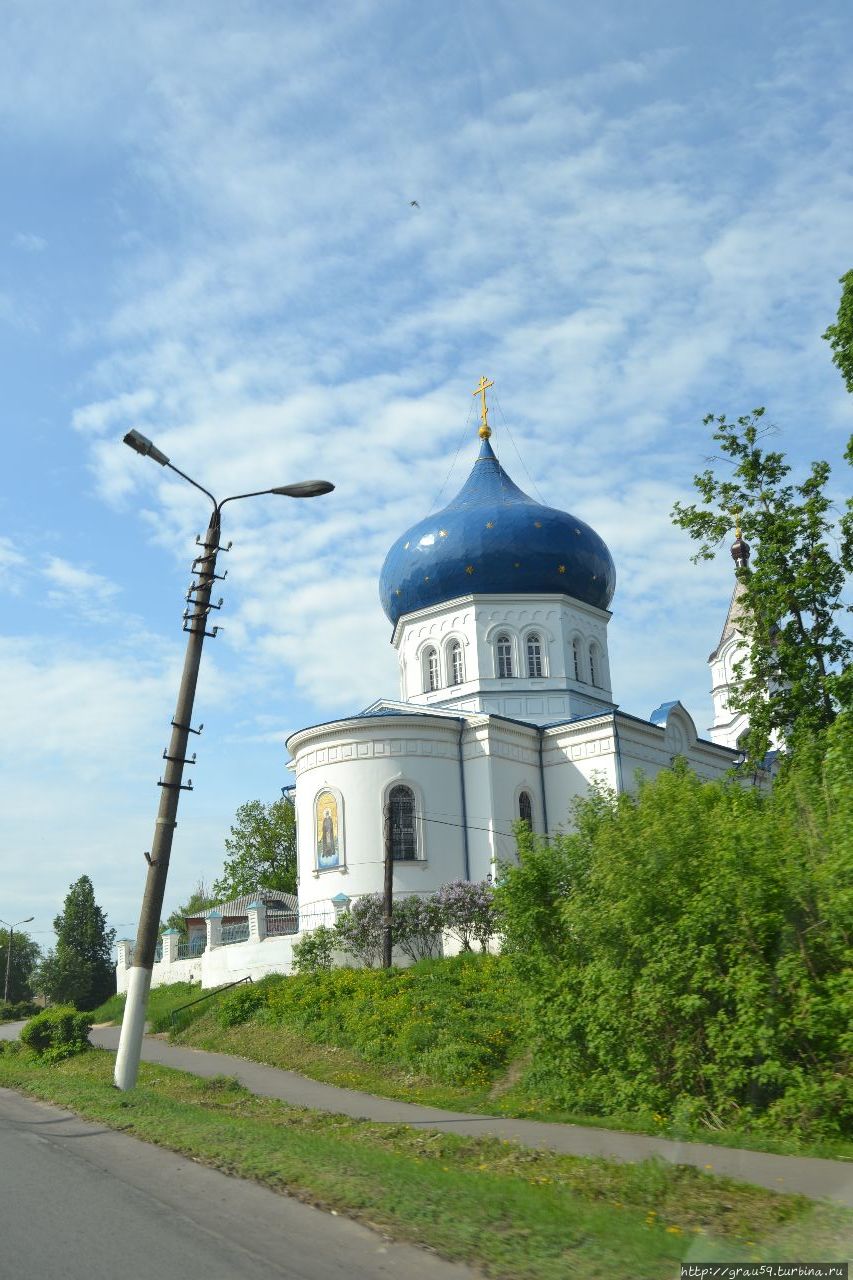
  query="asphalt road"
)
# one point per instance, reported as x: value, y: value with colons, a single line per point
x: 81, y: 1202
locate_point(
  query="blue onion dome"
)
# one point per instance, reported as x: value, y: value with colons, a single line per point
x: 493, y: 539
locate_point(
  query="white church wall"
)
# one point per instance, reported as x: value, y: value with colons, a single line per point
x: 573, y: 756
x: 362, y: 761
x: 476, y: 622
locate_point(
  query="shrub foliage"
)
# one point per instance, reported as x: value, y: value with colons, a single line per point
x: 57, y: 1033
x: 685, y: 951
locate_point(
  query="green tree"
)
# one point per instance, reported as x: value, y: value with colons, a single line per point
x: 25, y: 957
x: 840, y: 338
x: 260, y: 850
x: 840, y: 335
x: 80, y: 969
x: 199, y: 900
x: 686, y: 950
x: 796, y: 675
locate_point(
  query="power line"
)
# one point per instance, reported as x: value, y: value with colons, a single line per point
x: 518, y: 454
x: 462, y: 439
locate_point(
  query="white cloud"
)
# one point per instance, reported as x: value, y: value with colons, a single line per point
x: 29, y: 242
x: 70, y: 582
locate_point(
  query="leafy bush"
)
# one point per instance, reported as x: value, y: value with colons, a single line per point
x: 57, y: 1033
x: 10, y: 1012
x: 313, y: 953
x: 359, y: 929
x: 684, y: 951
x: 417, y: 924
x: 467, y: 911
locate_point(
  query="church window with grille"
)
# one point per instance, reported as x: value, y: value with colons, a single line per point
x: 576, y: 658
x: 525, y: 808
x: 431, y: 669
x: 534, y: 656
x: 503, y: 647
x: 401, y: 817
x: 457, y: 670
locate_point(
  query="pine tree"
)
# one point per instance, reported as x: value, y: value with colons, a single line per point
x: 80, y: 970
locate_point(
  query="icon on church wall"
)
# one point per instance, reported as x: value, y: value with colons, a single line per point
x: 329, y: 836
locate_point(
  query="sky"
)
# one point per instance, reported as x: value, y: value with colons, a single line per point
x: 627, y: 216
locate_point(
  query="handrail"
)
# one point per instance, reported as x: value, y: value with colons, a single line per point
x: 215, y: 992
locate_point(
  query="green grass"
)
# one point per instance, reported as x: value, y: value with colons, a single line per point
x: 162, y: 1001
x: 518, y: 1213
x: 445, y: 1033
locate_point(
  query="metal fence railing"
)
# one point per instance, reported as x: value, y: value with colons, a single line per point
x: 277, y: 925
x: 192, y: 949
x: 235, y: 933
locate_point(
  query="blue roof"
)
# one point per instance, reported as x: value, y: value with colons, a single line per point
x: 493, y: 539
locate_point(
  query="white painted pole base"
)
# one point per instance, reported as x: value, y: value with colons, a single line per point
x: 132, y: 1027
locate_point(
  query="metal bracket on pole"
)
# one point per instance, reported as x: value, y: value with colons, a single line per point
x: 188, y: 727
x: 195, y: 603
x: 176, y: 786
x: 179, y: 759
x: 216, y: 546
x: 197, y: 631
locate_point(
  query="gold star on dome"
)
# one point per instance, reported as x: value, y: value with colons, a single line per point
x: 537, y: 524
x: 442, y: 533
x: 490, y: 524
x: 405, y: 546
x: 398, y: 592
x: 469, y: 568
x: 426, y: 579
x: 561, y: 568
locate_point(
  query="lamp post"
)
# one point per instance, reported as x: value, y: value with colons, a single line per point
x: 171, y: 784
x: 11, y: 928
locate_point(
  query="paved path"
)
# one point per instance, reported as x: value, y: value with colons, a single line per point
x: 82, y: 1202
x: 819, y: 1179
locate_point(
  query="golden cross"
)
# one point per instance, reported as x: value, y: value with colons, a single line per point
x: 485, y: 430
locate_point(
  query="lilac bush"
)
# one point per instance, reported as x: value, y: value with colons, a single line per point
x: 468, y: 911
x: 417, y: 926
x: 360, y: 929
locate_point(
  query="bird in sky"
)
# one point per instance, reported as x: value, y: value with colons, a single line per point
x: 414, y: 204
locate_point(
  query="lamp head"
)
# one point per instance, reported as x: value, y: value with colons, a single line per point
x: 304, y: 489
x: 136, y: 440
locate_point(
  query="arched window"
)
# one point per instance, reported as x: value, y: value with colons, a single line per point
x: 534, y: 656
x: 503, y: 650
x: 431, y: 669
x: 525, y: 808
x: 594, y: 664
x: 401, y: 817
x: 457, y: 669
x: 576, y: 658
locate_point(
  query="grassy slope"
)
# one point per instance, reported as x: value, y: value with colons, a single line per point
x: 397, y: 1038
x: 517, y: 1213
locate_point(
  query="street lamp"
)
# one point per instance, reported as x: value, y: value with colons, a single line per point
x: 195, y: 624
x: 11, y: 928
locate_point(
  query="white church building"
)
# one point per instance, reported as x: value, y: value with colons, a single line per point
x: 499, y: 608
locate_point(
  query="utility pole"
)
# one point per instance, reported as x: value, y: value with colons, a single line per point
x: 139, y: 981
x: 11, y: 928
x: 172, y: 784
x: 388, y: 891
